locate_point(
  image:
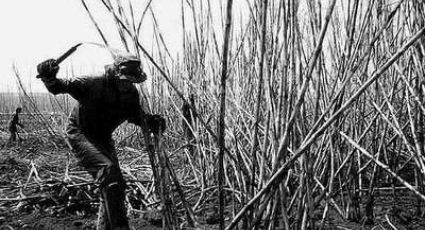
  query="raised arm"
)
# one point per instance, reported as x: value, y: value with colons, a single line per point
x: 48, y: 70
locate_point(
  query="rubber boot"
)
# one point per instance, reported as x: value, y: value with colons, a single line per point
x: 115, y: 207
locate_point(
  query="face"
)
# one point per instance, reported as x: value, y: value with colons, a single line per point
x: 134, y: 79
x: 132, y: 72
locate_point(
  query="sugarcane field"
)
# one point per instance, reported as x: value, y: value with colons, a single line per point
x: 212, y: 114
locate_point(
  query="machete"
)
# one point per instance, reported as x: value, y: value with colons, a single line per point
x: 66, y: 55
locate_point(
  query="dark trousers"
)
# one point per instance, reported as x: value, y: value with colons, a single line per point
x: 99, y: 158
x: 13, y: 136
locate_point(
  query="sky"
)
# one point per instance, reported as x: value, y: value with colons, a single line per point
x: 33, y: 31
x: 36, y: 30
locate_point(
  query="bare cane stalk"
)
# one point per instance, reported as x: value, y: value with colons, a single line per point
x: 221, y: 143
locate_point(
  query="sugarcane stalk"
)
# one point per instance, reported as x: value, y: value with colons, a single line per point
x: 221, y: 124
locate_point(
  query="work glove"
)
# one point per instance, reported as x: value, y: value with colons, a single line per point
x: 47, y: 69
x: 155, y: 124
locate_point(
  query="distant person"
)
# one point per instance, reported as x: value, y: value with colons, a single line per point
x: 13, y: 127
x: 104, y: 102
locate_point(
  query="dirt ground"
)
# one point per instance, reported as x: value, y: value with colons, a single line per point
x: 41, y: 187
x: 69, y: 222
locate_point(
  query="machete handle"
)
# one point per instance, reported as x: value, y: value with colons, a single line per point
x: 65, y: 55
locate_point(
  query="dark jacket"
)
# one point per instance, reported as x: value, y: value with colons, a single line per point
x: 103, y: 104
x: 14, y: 122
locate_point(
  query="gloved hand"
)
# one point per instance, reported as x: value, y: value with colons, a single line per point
x: 47, y: 69
x: 143, y: 76
x: 155, y: 123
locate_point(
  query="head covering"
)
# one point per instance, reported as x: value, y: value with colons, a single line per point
x: 120, y: 57
x: 127, y: 66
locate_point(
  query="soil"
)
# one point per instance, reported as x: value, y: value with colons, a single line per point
x: 42, y: 187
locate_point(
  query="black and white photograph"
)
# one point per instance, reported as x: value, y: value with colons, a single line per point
x: 212, y: 114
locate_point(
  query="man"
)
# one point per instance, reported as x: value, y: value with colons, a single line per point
x: 104, y: 103
x: 13, y: 126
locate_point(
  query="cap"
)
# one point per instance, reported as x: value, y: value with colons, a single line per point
x: 120, y: 57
